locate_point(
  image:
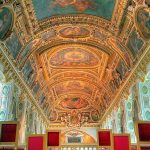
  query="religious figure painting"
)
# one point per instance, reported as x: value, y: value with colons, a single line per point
x: 142, y: 18
x: 14, y: 45
x: 47, y: 8
x: 36, y: 88
x: 53, y: 115
x: 95, y: 115
x: 29, y: 48
x: 48, y: 34
x: 70, y: 86
x: 74, y: 57
x: 74, y: 32
x: 74, y: 103
x: 6, y: 22
x: 135, y: 43
x: 121, y: 69
x: 27, y: 70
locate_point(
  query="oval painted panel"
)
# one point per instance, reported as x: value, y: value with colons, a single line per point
x: 74, y: 103
x: 142, y: 18
x: 144, y: 89
x: 129, y: 105
x: 5, y: 90
x: 74, y: 57
x: 95, y: 115
x: 53, y: 116
x: 6, y: 22
x: 74, y: 32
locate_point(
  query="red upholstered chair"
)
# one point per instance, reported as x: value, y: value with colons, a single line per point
x: 142, y: 129
x: 105, y: 139
x: 9, y: 134
x: 53, y: 139
x: 121, y: 142
x: 36, y: 142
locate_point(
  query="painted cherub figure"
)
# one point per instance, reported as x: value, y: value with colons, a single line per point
x: 80, y: 5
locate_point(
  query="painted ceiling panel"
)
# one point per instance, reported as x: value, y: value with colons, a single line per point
x: 74, y: 85
x: 143, y: 22
x: 48, y: 8
x: 75, y: 65
x: 6, y: 22
x: 74, y: 103
x: 73, y: 57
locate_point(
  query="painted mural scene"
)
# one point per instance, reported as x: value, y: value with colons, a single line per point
x: 64, y: 7
x: 74, y: 75
x: 6, y: 22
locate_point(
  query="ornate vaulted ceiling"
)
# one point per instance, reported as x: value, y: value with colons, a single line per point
x: 75, y: 54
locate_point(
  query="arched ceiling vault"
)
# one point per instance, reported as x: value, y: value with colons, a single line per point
x: 76, y: 54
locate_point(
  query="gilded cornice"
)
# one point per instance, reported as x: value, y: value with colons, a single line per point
x: 90, y: 125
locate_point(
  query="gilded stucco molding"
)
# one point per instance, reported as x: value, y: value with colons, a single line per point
x: 118, y: 13
x: 28, y: 13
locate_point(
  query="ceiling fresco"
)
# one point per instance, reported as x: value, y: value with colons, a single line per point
x: 135, y: 43
x: 6, y: 22
x: 74, y: 103
x: 75, y: 55
x: 143, y: 22
x: 62, y: 7
x: 14, y: 45
x: 74, y: 32
x: 74, y: 85
x: 73, y: 80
